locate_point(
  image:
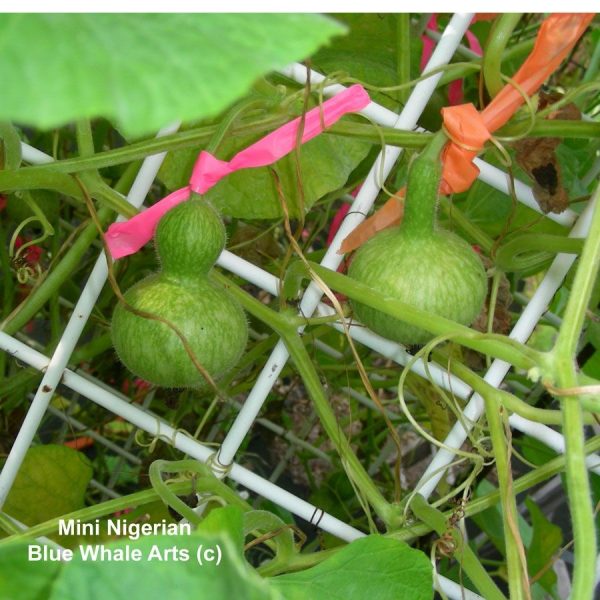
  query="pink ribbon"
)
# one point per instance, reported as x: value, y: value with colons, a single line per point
x: 455, y: 89
x: 128, y: 237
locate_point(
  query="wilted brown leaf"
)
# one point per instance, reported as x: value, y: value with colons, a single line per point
x: 537, y: 156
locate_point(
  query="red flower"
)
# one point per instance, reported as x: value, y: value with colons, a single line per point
x: 32, y: 254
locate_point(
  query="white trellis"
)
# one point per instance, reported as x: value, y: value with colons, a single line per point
x: 55, y: 368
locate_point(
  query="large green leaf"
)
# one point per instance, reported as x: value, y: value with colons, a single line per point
x: 51, y: 482
x: 143, y: 70
x: 369, y: 53
x: 325, y: 165
x: 22, y: 578
x: 177, y: 575
x: 372, y: 567
x: 547, y: 539
x: 491, y: 209
x: 490, y: 520
x: 225, y: 520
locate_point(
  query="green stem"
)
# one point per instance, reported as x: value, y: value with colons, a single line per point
x: 8, y: 291
x: 532, y: 251
x: 374, y: 134
x: 43, y: 177
x: 409, y: 139
x: 177, y: 141
x: 85, y: 138
x: 47, y: 176
x: 424, y: 177
x: 99, y: 510
x: 300, y: 562
x: 107, y: 196
x: 564, y: 356
x: 8, y: 526
x: 86, y: 352
x: 53, y: 176
x: 498, y: 346
x: 205, y: 482
x: 54, y: 308
x: 10, y: 147
x: 403, y: 54
x: 125, y: 181
x: 497, y: 41
x: 458, y: 71
x: 353, y: 466
x: 464, y: 69
x: 476, y: 234
x: 226, y: 124
x: 509, y: 401
x: 552, y: 128
x: 518, y: 50
x: 496, y: 277
x: 32, y: 178
x: 468, y: 561
x: 515, y: 554
x: 593, y: 65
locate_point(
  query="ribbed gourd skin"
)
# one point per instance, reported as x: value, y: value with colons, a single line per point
x: 189, y: 239
x: 439, y: 273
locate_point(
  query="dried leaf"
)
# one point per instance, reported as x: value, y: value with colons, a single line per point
x: 537, y: 156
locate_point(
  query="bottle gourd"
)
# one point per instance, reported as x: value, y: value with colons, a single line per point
x: 418, y: 263
x: 188, y: 239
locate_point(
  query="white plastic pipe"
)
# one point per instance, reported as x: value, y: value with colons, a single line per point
x: 72, y: 332
x: 34, y: 156
x: 158, y: 428
x: 362, y: 204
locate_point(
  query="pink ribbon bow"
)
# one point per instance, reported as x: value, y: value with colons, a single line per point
x: 129, y: 236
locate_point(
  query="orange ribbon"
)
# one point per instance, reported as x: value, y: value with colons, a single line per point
x: 556, y: 37
x: 470, y: 129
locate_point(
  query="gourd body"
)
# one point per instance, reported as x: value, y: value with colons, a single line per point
x: 438, y: 272
x: 189, y: 238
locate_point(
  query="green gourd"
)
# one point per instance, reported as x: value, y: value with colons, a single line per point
x: 418, y: 263
x: 188, y: 239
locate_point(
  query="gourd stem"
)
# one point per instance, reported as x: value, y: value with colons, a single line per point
x: 424, y: 177
x: 228, y: 120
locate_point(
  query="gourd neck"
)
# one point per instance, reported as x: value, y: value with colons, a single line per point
x: 189, y: 238
x: 422, y: 190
